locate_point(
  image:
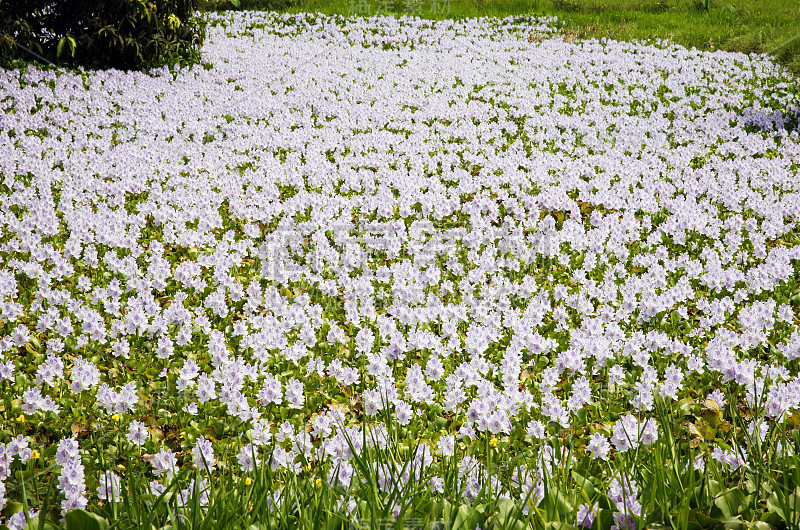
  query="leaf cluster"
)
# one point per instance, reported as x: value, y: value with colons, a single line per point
x: 121, y: 34
x: 247, y: 5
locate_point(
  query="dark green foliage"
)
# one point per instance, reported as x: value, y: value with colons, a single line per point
x: 261, y: 5
x: 123, y: 34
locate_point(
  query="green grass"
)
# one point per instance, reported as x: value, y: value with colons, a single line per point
x: 748, y: 26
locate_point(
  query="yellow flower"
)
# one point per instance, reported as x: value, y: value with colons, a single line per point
x: 21, y: 418
x: 493, y: 442
x: 248, y: 481
x: 35, y: 454
x: 319, y: 483
x: 120, y: 466
x: 115, y: 417
x: 250, y: 506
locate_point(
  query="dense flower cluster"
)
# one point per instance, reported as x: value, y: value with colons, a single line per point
x: 339, y: 223
x: 71, y: 482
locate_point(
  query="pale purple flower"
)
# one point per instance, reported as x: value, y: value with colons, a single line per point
x: 137, y: 433
x: 598, y: 446
x: 245, y: 458
x: 626, y: 433
x: 586, y: 515
x: 446, y: 445
x: 403, y: 412
x: 20, y: 519
x: 203, y: 454
x: 165, y: 462
x: 67, y: 451
x: 109, y: 487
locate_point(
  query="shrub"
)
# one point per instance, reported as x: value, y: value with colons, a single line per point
x: 123, y: 34
x: 262, y: 5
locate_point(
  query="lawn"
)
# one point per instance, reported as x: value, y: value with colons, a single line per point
x: 406, y: 273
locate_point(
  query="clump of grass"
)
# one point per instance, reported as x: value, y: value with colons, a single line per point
x: 668, y: 482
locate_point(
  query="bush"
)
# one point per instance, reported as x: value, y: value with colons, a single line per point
x: 258, y: 5
x: 123, y: 34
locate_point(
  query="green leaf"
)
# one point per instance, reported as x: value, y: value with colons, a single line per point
x: 705, y: 520
x: 585, y: 485
x: 13, y: 507
x: 507, y: 516
x: 759, y: 525
x: 236, y: 3
x: 714, y: 488
x: 772, y: 518
x: 604, y: 519
x: 730, y: 502
x: 775, y: 505
x: 733, y: 523
x: 82, y: 520
x: 466, y: 517
x: 33, y: 524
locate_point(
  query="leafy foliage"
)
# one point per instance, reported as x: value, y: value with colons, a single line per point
x: 226, y: 5
x: 123, y: 34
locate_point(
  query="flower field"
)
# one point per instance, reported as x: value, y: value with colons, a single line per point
x: 361, y: 272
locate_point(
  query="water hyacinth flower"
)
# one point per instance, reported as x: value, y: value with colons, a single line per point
x: 531, y: 487
x: 84, y: 375
x: 110, y: 487
x: 628, y: 433
x: 340, y: 472
x: 733, y: 459
x: 203, y: 455
x: 536, y: 430
x: 586, y: 515
x: 295, y: 393
x: 446, y: 445
x: 50, y: 371
x: 71, y: 481
x: 20, y: 519
x: 67, y: 451
x: 32, y: 400
x: 245, y: 458
x: 623, y: 492
x: 137, y: 433
x: 185, y: 496
x: 165, y: 462
x: 403, y: 412
x: 598, y: 446
x: 511, y: 249
x: 18, y: 446
x: 7, y: 370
